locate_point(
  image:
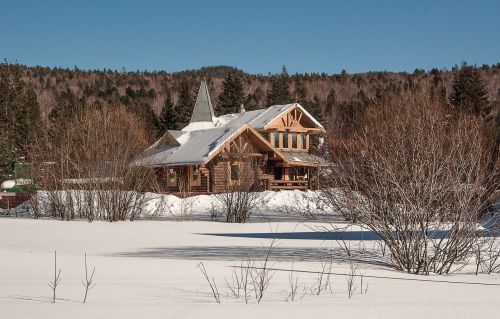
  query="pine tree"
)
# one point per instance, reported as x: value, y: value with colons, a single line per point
x: 168, y: 116
x: 331, y: 100
x: 314, y: 108
x: 301, y: 94
x: 279, y: 93
x: 185, y: 105
x: 232, y: 95
x: 469, y: 93
x: 67, y: 106
x: 19, y: 118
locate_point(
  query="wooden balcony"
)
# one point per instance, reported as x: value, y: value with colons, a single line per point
x: 283, y: 184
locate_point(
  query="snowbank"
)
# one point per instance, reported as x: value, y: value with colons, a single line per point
x: 275, y: 205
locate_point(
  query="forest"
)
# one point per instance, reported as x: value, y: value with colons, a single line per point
x: 37, y: 103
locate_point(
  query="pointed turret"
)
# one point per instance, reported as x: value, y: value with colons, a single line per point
x: 203, y: 110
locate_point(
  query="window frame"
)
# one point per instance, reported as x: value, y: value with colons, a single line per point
x: 170, y: 172
x: 194, y: 170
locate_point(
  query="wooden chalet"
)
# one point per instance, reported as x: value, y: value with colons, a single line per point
x: 269, y: 148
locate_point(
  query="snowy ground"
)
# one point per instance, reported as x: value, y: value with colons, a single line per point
x: 147, y: 269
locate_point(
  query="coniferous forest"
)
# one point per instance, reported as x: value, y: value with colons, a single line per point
x: 42, y: 100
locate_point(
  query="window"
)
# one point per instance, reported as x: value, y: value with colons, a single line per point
x: 235, y: 171
x: 195, y: 176
x: 303, y: 138
x: 285, y: 139
x: 171, y: 177
x: 294, y: 140
x: 276, y: 137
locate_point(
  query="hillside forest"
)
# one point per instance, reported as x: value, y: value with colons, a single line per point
x: 37, y: 103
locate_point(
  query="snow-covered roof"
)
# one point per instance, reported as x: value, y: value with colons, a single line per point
x: 198, y: 142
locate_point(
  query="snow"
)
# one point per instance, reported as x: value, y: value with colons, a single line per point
x: 167, y: 206
x: 195, y: 126
x: 11, y: 183
x: 8, y: 184
x: 147, y: 269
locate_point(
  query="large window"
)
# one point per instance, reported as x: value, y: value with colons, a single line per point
x: 294, y: 140
x: 276, y: 137
x: 303, y: 138
x: 285, y: 139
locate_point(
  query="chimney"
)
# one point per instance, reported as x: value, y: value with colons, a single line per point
x: 242, y: 108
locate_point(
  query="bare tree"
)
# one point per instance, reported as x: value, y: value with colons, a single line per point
x: 419, y: 179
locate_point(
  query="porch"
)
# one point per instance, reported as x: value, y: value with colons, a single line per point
x: 289, y: 178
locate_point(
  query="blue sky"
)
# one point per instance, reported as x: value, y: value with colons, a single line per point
x: 256, y: 36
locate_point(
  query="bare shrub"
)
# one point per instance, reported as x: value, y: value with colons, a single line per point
x: 88, y: 282
x: 351, y: 279
x: 262, y: 275
x: 323, y: 279
x: 487, y: 254
x: 92, y: 172
x: 211, y: 282
x: 240, y: 279
x: 294, y: 286
x: 419, y: 179
x: 241, y: 195
x: 57, y: 278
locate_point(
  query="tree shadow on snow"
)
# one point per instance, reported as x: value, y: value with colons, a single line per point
x: 279, y: 254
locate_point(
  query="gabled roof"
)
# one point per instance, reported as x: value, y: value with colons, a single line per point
x: 203, y: 110
x: 197, y: 146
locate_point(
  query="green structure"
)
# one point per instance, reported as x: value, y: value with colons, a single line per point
x: 23, y: 177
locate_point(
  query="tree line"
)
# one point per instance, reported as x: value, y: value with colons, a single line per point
x: 38, y: 100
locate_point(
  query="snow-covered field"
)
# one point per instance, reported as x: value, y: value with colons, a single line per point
x: 147, y: 269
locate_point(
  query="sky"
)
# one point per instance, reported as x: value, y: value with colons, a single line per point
x: 255, y: 36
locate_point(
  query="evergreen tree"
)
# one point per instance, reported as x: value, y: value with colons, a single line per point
x: 331, y: 100
x: 67, y: 106
x: 185, y: 105
x: 469, y: 93
x: 301, y: 94
x: 232, y: 95
x: 168, y: 116
x: 279, y: 93
x: 20, y: 119
x: 314, y: 108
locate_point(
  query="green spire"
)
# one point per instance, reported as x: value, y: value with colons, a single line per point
x: 203, y: 110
